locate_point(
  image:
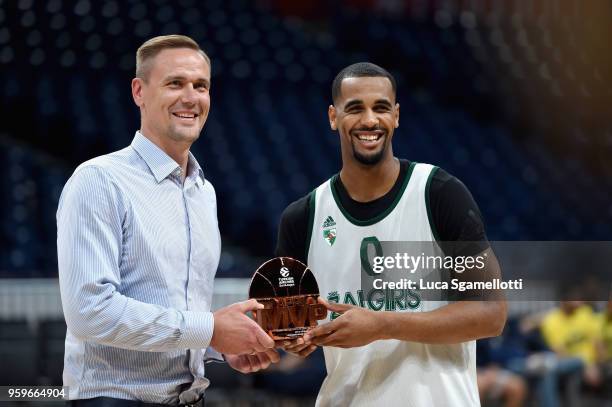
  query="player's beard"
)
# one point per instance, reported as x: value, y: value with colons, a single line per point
x: 372, y: 158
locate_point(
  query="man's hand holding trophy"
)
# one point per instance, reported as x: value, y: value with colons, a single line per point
x: 289, y: 293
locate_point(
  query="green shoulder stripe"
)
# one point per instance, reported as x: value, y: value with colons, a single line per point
x: 311, y: 213
x: 432, y: 225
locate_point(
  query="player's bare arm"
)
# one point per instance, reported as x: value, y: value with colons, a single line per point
x: 458, y: 322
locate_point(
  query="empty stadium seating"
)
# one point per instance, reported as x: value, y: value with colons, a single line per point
x: 485, y: 98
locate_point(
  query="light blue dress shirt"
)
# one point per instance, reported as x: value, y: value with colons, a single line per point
x: 137, y: 253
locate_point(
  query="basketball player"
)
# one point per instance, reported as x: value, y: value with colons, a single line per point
x: 420, y: 358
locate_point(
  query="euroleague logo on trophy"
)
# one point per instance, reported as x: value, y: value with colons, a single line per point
x: 285, y: 280
x: 289, y: 292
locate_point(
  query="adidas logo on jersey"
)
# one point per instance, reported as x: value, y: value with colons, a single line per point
x: 329, y: 222
x: 329, y: 231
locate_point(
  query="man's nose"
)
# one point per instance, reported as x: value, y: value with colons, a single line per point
x: 369, y: 118
x: 189, y: 94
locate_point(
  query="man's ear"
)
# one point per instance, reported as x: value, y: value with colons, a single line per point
x: 137, y: 89
x: 331, y: 113
x: 397, y: 112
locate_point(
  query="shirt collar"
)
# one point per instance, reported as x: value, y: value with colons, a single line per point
x: 195, y: 171
x: 160, y: 163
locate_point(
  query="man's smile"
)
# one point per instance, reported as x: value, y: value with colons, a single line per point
x: 368, y: 138
x: 186, y: 116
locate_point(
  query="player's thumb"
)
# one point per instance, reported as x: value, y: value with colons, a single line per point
x: 334, y: 306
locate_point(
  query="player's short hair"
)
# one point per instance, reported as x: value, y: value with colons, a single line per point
x: 150, y: 48
x: 359, y: 70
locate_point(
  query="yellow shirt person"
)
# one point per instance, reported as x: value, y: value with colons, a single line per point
x: 606, y: 334
x: 573, y: 330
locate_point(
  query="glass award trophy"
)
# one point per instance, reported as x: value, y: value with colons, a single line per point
x: 289, y: 292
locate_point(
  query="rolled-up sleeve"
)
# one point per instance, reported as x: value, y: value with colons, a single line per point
x: 89, y: 245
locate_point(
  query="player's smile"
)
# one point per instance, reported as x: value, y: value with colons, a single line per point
x: 369, y: 138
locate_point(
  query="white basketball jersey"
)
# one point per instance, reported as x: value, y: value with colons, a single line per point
x: 385, y: 372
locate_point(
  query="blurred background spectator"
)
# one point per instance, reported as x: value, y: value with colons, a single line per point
x: 604, y: 348
x: 513, y: 97
x: 572, y: 331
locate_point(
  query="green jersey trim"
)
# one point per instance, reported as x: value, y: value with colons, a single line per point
x: 311, y: 214
x: 432, y: 225
x: 382, y: 215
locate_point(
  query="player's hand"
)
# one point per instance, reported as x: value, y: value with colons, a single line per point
x: 355, y: 327
x: 298, y: 347
x: 253, y: 363
x: 235, y: 333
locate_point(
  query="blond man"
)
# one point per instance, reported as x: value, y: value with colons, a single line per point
x: 138, y: 247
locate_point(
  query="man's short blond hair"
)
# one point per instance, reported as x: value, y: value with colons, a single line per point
x: 149, y: 50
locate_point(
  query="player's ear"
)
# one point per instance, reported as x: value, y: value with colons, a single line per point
x: 397, y: 112
x: 331, y: 113
x: 137, y: 91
